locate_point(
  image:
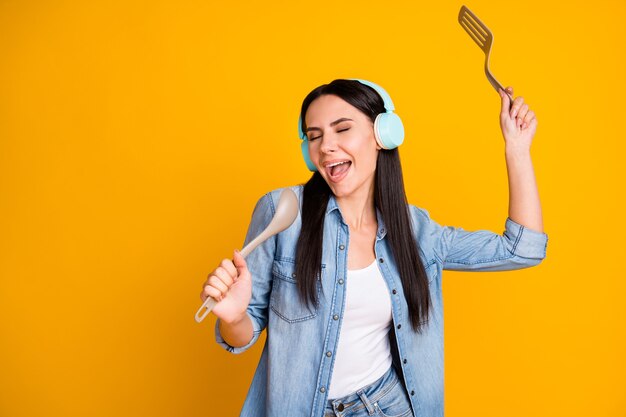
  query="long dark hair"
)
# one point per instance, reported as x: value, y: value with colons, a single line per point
x: 389, y: 198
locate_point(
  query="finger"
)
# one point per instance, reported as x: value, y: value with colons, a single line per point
x: 517, y: 103
x: 532, y: 123
x: 225, y: 276
x: 205, y: 294
x: 239, y: 262
x: 211, y: 292
x: 228, y: 265
x: 523, y: 110
x: 217, y: 283
x: 242, y: 267
x: 521, y: 114
x: 509, y: 90
x: 529, y: 116
x: 505, y: 101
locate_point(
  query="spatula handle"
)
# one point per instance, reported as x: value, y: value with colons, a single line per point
x: 496, y: 85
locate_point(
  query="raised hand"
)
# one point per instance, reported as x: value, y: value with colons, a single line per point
x: 517, y: 121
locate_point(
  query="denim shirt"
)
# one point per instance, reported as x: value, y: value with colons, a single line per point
x: 296, y: 364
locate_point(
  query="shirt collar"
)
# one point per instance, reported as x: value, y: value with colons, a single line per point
x: 332, y: 206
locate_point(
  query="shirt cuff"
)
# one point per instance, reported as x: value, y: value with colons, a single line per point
x: 220, y: 340
x: 528, y: 243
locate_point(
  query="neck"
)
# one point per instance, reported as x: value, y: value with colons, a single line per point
x: 358, y: 208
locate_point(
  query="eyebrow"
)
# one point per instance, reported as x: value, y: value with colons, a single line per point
x: 343, y: 119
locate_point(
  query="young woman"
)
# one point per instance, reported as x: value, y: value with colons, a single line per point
x: 350, y: 294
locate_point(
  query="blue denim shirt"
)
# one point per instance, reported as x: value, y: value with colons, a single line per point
x: 295, y: 368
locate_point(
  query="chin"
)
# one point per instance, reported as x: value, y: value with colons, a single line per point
x: 341, y: 190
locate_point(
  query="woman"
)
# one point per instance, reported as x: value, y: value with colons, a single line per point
x: 350, y: 294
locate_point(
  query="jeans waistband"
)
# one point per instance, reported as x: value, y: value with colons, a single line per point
x: 364, y: 397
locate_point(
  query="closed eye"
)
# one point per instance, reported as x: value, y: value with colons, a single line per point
x: 339, y: 131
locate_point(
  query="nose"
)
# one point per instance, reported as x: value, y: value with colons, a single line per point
x: 329, y: 143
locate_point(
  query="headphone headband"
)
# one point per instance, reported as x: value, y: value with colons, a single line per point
x: 381, y: 92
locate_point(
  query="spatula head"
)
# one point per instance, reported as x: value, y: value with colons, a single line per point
x: 476, y: 29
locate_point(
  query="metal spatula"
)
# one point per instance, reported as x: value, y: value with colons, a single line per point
x: 483, y: 37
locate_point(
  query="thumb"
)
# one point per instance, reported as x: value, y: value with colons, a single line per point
x: 506, y: 101
x: 240, y: 263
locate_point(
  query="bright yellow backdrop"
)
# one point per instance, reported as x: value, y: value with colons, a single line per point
x: 136, y: 137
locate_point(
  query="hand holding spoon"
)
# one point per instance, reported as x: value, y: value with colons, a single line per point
x: 286, y: 213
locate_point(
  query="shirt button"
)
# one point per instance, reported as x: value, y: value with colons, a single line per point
x: 394, y: 291
x: 293, y: 275
x: 381, y: 260
x: 404, y: 361
x: 335, y: 317
x: 341, y: 247
x: 412, y: 392
x: 382, y: 230
x: 340, y: 407
x: 329, y: 354
x: 340, y: 281
x: 399, y: 326
x: 322, y: 390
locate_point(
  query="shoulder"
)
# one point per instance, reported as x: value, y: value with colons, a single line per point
x: 424, y: 227
x: 426, y: 231
x: 419, y: 214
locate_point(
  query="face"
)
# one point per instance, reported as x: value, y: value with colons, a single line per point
x: 340, y: 133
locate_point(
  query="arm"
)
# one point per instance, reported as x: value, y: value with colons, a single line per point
x: 518, y: 126
x: 524, y: 204
x: 237, y: 333
x: 523, y: 243
x: 240, y: 333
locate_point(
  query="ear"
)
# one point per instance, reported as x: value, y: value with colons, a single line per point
x: 378, y: 147
x: 373, y: 131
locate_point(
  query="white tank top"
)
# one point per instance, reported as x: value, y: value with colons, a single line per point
x: 363, y: 352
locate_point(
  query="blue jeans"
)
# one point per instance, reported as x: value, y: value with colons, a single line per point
x: 385, y: 397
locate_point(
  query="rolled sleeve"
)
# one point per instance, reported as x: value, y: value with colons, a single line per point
x: 528, y: 243
x: 482, y: 250
x: 256, y: 332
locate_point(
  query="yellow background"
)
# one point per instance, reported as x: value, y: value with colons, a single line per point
x: 135, y: 139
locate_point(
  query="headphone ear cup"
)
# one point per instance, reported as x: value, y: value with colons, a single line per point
x: 389, y: 130
x: 304, y: 146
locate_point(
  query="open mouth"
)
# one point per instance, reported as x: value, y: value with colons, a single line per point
x: 338, y: 171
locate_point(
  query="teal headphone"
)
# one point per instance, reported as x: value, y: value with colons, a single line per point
x: 388, y: 127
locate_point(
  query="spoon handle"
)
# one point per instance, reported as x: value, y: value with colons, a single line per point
x: 254, y: 243
x: 207, y: 306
